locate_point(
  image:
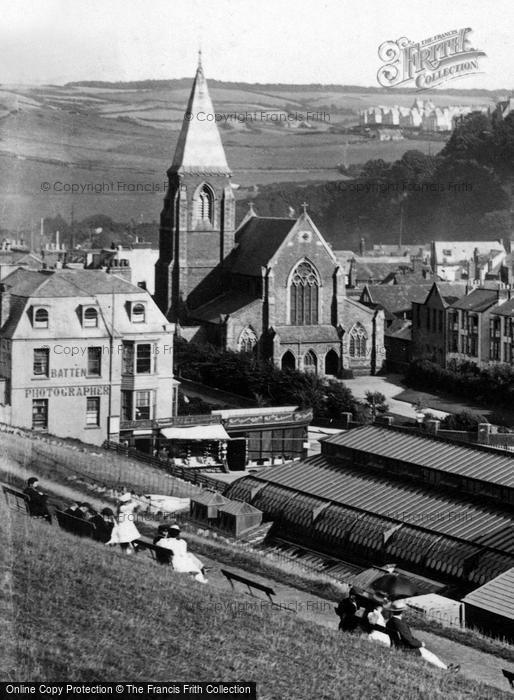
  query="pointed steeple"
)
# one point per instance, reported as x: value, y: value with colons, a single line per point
x: 199, y: 148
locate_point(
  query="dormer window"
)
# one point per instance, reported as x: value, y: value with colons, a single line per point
x: 41, y: 318
x: 138, y: 313
x: 90, y: 317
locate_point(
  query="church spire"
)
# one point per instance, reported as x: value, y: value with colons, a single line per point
x: 199, y: 148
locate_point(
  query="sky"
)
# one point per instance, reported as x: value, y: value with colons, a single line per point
x: 289, y: 41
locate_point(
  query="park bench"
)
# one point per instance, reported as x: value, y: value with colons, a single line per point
x: 77, y: 526
x: 158, y: 554
x: 251, y: 585
x: 16, y: 500
x: 509, y: 675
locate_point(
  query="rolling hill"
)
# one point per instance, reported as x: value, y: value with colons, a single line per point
x: 95, y: 135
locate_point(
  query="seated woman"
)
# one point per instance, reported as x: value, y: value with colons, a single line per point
x: 163, y: 556
x: 182, y: 560
x: 377, y: 623
x: 347, y: 612
x: 38, y: 507
x: 103, y: 522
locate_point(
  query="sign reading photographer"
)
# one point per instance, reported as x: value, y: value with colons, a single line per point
x: 429, y: 63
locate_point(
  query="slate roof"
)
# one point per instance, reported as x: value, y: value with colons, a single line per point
x: 238, y: 508
x: 67, y: 283
x: 505, y: 309
x: 210, y: 498
x: 397, y: 297
x: 491, y: 467
x: 199, y: 148
x: 399, y: 328
x: 18, y: 257
x: 495, y: 596
x: 258, y: 240
x: 451, y: 291
x: 225, y: 304
x: 376, y: 271
x: 335, y: 482
x: 478, y: 300
x: 307, y: 334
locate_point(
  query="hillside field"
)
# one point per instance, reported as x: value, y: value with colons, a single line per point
x: 102, y: 136
x: 76, y: 610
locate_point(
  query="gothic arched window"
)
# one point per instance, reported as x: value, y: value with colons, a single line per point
x: 247, y: 340
x: 310, y: 362
x: 204, y: 209
x: 358, y: 341
x: 288, y: 360
x: 304, y: 295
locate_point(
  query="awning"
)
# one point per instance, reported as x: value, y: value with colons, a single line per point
x: 214, y: 431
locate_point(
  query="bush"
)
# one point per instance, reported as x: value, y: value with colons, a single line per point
x: 464, y: 420
x: 490, y: 385
x: 248, y: 376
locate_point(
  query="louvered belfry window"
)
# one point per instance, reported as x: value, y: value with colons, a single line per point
x: 205, y: 206
x: 304, y: 295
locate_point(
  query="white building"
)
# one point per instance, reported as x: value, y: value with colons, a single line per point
x: 84, y: 354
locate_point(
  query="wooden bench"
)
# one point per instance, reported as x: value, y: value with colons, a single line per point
x: 158, y: 554
x: 77, y: 526
x: 252, y: 585
x: 509, y: 675
x: 16, y: 500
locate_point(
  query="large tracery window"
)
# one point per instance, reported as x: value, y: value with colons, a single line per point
x: 205, y: 206
x: 358, y: 341
x: 304, y: 295
x: 247, y: 340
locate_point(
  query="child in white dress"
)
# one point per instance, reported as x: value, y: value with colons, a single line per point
x: 124, y: 531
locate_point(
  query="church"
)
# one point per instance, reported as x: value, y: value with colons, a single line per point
x: 268, y: 285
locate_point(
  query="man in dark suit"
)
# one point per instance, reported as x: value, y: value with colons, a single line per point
x: 398, y: 630
x: 402, y: 637
x: 38, y: 506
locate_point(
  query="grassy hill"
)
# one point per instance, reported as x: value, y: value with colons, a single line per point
x: 76, y: 610
x: 89, y: 134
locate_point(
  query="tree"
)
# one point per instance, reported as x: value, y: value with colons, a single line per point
x: 464, y: 420
x: 376, y: 402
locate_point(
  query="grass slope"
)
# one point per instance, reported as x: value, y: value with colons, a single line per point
x: 98, y: 135
x: 75, y: 610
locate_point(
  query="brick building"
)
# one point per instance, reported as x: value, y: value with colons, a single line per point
x: 270, y: 285
x: 468, y: 322
x: 83, y: 354
x: 429, y: 325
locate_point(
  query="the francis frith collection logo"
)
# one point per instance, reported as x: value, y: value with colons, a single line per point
x: 429, y: 63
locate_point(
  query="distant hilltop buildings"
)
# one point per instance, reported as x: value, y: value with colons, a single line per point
x: 423, y: 115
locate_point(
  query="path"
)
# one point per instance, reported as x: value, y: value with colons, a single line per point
x: 475, y: 665
x: 392, y: 387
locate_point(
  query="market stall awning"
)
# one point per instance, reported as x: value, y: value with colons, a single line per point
x: 214, y: 431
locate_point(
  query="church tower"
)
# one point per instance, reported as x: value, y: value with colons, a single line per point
x: 198, y: 218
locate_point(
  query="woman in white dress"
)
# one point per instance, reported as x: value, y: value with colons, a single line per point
x: 182, y: 560
x: 378, y: 624
x: 124, y: 531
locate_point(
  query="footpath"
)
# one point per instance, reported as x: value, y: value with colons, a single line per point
x: 475, y: 665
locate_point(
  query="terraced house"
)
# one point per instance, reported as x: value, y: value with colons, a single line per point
x: 271, y: 285
x: 83, y: 354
